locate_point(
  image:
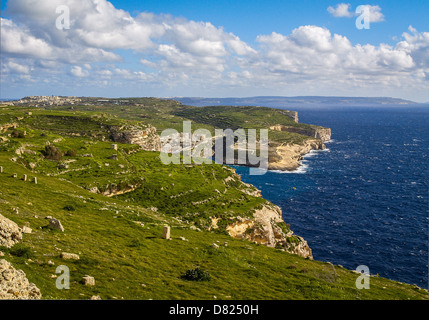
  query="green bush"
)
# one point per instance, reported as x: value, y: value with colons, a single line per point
x: 196, y: 275
x: 52, y: 153
x: 19, y: 250
x: 17, y: 134
x: 71, y: 153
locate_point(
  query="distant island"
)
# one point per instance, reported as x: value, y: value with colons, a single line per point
x: 301, y: 101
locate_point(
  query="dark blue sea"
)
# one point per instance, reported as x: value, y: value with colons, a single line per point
x: 364, y: 200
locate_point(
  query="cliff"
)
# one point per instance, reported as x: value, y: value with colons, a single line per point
x: 143, y: 135
x: 320, y: 133
x: 287, y: 156
x: 267, y: 227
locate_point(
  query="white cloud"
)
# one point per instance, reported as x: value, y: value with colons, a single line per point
x: 79, y: 72
x: 375, y: 14
x: 344, y: 10
x: 19, y: 41
x: 11, y: 66
x: 417, y: 46
x: 341, y: 10
x: 312, y: 56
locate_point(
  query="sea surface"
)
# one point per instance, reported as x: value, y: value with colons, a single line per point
x: 363, y: 200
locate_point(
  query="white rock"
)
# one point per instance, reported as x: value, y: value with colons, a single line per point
x: 166, y: 232
x: 88, y: 281
x: 10, y: 233
x: 26, y: 229
x: 15, y: 285
x: 56, y: 224
x: 69, y: 256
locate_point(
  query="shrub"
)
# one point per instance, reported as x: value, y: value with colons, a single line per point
x: 52, y: 153
x: 71, y: 153
x: 20, y: 250
x: 69, y: 208
x: 135, y: 243
x: 196, y: 275
x: 17, y: 134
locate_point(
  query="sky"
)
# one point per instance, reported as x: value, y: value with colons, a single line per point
x: 218, y: 48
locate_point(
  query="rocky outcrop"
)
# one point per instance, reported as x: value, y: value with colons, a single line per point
x: 114, y: 189
x: 6, y: 126
x: 10, y: 233
x: 317, y: 132
x: 144, y: 136
x: 288, y: 157
x: 291, y: 114
x: 54, y: 223
x: 268, y: 228
x: 15, y: 285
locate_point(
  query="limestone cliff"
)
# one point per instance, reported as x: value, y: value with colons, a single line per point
x: 317, y: 132
x: 263, y: 226
x: 287, y: 157
x: 15, y: 285
x: 142, y: 135
x: 268, y: 228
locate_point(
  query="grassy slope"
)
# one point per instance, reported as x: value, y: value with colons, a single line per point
x: 133, y: 262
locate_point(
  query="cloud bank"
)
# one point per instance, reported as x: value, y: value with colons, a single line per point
x: 166, y: 55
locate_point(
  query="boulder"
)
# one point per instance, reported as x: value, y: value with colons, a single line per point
x: 69, y: 256
x: 88, y: 281
x: 56, y: 224
x: 26, y: 229
x: 15, y: 285
x: 10, y: 233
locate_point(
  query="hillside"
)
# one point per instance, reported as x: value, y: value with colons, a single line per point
x: 113, y: 199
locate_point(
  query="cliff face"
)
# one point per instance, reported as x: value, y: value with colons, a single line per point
x: 288, y: 157
x: 291, y: 114
x: 268, y: 228
x: 320, y: 133
x: 144, y: 136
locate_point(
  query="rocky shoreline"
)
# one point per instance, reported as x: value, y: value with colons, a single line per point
x: 291, y: 155
x: 287, y: 157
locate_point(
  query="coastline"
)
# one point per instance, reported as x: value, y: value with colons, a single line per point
x: 292, y: 155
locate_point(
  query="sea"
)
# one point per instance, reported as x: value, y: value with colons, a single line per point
x: 364, y: 200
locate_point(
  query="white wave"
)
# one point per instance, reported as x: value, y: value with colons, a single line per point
x: 312, y: 153
x: 300, y: 170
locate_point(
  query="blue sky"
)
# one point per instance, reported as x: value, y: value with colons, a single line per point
x: 215, y: 48
x: 249, y: 18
